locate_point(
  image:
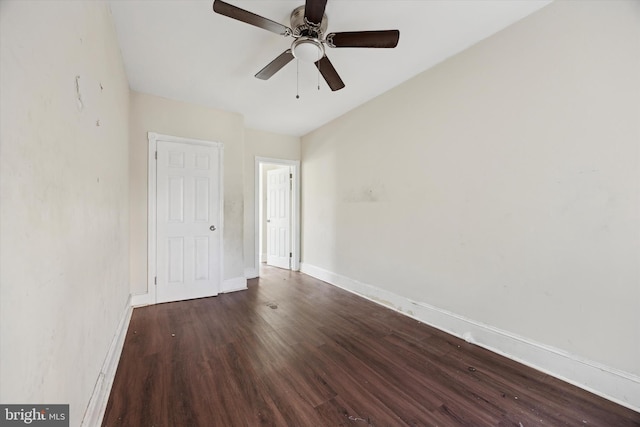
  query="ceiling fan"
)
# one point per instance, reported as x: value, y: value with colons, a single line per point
x: 308, y: 26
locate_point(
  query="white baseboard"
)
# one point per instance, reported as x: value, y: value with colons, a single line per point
x: 141, y: 300
x: 610, y: 383
x: 229, y: 285
x: 251, y: 273
x: 235, y: 284
x: 100, y: 396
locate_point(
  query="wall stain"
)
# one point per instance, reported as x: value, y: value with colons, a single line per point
x: 365, y: 194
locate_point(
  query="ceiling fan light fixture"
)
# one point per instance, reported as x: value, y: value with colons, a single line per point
x: 307, y: 49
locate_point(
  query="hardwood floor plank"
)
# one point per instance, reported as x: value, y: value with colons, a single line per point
x: 410, y: 408
x: 294, y: 351
x: 258, y: 407
x: 310, y: 386
x: 352, y: 389
x: 336, y: 412
x: 292, y: 405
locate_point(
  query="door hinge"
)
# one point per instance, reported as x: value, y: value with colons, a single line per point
x: 290, y: 176
x: 290, y: 255
x: 155, y: 280
x: 156, y: 155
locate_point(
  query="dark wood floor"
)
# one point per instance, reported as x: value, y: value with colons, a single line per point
x: 294, y: 351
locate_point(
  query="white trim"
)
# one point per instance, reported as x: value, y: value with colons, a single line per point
x: 141, y: 300
x: 100, y: 396
x: 295, y: 212
x: 233, y: 285
x: 229, y: 285
x: 151, y: 218
x: 153, y: 138
x: 251, y: 273
x: 612, y: 384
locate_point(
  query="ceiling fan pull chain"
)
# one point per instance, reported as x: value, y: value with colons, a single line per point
x: 319, y: 70
x: 297, y: 78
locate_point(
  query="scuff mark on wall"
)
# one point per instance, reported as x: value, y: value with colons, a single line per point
x: 78, y: 94
x: 233, y: 207
x: 374, y: 192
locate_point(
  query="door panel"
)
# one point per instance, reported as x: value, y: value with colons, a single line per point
x: 279, y: 218
x: 188, y: 204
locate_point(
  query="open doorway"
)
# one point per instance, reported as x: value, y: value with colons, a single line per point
x: 277, y: 213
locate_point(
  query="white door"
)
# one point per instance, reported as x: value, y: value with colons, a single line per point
x: 189, y: 232
x: 279, y: 218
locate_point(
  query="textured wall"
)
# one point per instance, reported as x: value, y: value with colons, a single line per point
x: 64, y: 187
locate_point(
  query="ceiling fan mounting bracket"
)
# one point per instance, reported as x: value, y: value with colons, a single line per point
x: 329, y: 40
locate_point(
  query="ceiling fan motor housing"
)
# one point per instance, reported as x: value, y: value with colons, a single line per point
x: 301, y: 27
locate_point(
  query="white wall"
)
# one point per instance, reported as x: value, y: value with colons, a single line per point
x: 64, y: 199
x: 503, y: 185
x: 155, y: 114
x: 269, y: 145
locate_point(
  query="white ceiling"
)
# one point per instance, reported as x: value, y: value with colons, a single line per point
x: 182, y: 50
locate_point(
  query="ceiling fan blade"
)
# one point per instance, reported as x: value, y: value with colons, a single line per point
x: 329, y: 73
x: 314, y: 10
x: 234, y: 12
x: 274, y: 66
x: 379, y: 39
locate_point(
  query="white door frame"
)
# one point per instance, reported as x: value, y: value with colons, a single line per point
x: 295, y: 209
x: 151, y: 205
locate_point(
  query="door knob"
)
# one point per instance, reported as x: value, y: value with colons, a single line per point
x: 212, y: 228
